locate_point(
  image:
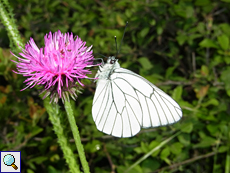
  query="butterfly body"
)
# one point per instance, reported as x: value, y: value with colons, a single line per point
x: 124, y: 102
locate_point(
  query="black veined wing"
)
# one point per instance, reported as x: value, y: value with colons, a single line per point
x: 124, y: 102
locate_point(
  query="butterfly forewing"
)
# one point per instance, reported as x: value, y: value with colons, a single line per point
x: 163, y: 103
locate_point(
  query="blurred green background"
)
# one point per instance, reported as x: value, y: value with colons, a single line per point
x: 181, y: 46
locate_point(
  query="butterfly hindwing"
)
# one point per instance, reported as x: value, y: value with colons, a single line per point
x: 112, y: 112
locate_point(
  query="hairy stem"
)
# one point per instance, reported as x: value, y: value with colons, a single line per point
x: 54, y: 117
x: 76, y: 136
x: 10, y: 25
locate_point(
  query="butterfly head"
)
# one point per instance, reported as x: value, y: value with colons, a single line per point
x: 111, y: 60
x: 107, y: 69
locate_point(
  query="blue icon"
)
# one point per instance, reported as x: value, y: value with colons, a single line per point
x: 9, y: 160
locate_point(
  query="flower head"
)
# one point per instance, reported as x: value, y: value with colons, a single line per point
x: 57, y: 67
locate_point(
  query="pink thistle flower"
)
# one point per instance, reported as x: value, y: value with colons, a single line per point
x: 57, y: 67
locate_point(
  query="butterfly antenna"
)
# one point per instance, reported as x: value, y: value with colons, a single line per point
x: 101, y: 58
x: 101, y: 55
x: 116, y: 44
x: 123, y: 37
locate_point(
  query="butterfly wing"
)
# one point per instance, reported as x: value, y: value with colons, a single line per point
x: 127, y: 102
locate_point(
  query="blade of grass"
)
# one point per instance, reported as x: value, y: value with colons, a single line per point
x: 215, y: 157
x: 153, y: 150
x: 227, y: 165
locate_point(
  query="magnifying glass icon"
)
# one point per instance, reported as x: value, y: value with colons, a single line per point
x: 9, y: 160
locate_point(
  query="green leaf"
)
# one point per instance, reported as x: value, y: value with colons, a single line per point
x: 225, y: 27
x: 228, y: 92
x: 177, y: 93
x: 54, y: 158
x: 120, y: 21
x: 29, y: 171
x: 159, y: 30
x: 225, y: 77
x: 187, y: 127
x: 189, y: 12
x: 224, y: 130
x: 204, y: 70
x: 202, y: 2
x: 128, y: 13
x: 184, y: 10
x: 36, y: 131
x: 138, y: 150
x: 93, y: 146
x: 213, y: 128
x: 136, y: 169
x: 179, y: 10
x: 208, y: 43
x: 52, y: 169
x: 39, y: 160
x: 206, y: 141
x: 153, y: 22
x: 144, y: 147
x: 223, y: 41
x: 225, y: 0
x: 184, y: 138
x: 212, y: 101
x: 165, y: 153
x: 169, y: 71
x: 113, y: 32
x: 150, y: 165
x: 181, y: 39
x: 223, y: 149
x: 176, y: 148
x: 145, y: 63
x: 227, y: 59
x: 144, y: 32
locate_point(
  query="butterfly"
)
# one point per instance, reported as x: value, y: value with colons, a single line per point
x: 125, y: 101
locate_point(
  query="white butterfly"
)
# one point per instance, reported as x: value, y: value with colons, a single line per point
x: 124, y: 102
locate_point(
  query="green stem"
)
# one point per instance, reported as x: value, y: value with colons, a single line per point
x: 10, y: 25
x: 54, y: 117
x: 76, y: 136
